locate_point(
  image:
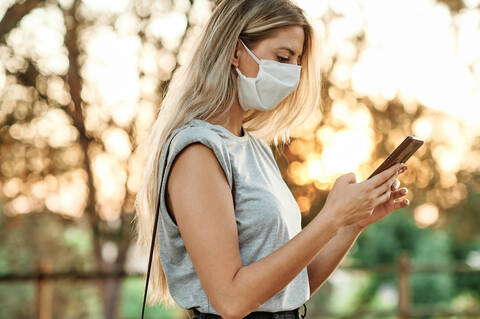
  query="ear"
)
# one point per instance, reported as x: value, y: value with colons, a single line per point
x: 235, y: 55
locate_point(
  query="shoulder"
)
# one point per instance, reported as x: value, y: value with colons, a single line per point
x: 187, y: 134
x: 267, y: 151
x: 263, y: 145
x: 199, y: 148
x: 195, y: 163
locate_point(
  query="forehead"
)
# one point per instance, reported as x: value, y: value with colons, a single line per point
x: 291, y: 37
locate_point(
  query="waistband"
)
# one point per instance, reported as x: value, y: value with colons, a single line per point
x: 287, y: 314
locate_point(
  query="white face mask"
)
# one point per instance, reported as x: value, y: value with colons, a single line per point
x: 274, y: 82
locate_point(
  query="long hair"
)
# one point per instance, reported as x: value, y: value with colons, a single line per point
x: 205, y: 88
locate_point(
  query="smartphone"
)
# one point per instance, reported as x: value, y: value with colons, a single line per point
x: 401, y: 154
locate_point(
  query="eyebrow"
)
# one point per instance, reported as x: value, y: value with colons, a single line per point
x: 288, y: 49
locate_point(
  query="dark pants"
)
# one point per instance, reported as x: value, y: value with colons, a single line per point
x: 291, y: 314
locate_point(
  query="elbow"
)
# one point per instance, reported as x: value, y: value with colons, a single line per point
x: 233, y: 306
x: 227, y: 313
x: 229, y: 309
x: 231, y: 302
x: 236, y: 308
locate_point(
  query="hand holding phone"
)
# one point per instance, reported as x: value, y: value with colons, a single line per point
x: 349, y: 202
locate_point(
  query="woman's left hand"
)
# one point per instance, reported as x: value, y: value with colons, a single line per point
x: 389, y: 206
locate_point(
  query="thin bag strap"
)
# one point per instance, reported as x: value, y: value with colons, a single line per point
x: 151, y: 254
x: 153, y: 234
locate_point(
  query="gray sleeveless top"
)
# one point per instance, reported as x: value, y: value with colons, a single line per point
x: 266, y: 213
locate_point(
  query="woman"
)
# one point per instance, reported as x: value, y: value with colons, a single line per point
x: 229, y: 241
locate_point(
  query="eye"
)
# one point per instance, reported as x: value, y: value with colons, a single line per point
x: 282, y: 59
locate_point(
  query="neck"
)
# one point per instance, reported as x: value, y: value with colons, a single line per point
x: 235, y: 118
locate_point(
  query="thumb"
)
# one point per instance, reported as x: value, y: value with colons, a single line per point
x: 350, y: 178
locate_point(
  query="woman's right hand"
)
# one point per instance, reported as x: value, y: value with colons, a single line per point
x: 348, y: 202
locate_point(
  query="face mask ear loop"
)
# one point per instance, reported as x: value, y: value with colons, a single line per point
x: 251, y: 53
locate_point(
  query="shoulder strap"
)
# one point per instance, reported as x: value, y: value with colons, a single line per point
x: 153, y: 234
x: 150, y: 258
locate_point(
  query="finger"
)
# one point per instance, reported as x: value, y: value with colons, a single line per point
x: 384, y: 197
x: 351, y: 178
x: 392, y: 205
x: 379, y: 179
x: 401, y: 203
x: 385, y: 186
x: 395, y: 185
x: 399, y: 193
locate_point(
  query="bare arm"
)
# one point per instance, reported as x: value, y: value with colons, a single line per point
x: 330, y: 256
x: 258, y: 282
x: 205, y: 216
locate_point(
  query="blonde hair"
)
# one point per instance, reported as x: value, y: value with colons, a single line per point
x: 205, y: 88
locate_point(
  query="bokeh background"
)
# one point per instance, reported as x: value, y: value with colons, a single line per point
x: 81, y: 83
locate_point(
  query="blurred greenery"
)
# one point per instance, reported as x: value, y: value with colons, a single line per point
x: 384, y: 242
x: 132, y: 298
x: 17, y: 300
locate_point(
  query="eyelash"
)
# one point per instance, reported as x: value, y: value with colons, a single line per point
x: 286, y: 59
